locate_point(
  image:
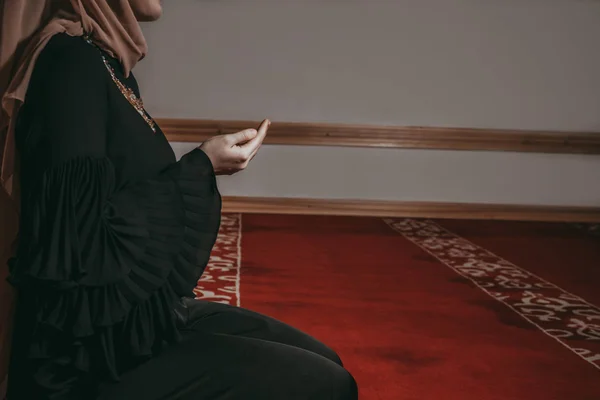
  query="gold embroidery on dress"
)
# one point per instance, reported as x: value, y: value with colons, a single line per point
x: 127, y: 92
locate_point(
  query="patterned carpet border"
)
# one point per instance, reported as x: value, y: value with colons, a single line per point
x: 567, y: 318
x: 220, y: 282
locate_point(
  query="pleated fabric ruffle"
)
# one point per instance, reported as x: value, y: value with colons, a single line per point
x: 102, y: 267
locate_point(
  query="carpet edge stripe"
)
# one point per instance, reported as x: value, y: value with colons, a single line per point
x: 393, y: 223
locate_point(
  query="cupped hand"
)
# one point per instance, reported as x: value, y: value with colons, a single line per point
x: 231, y: 153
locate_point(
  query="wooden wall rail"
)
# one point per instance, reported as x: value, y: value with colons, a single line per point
x: 266, y: 205
x: 317, y: 134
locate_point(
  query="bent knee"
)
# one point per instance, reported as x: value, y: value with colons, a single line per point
x: 344, y: 385
x: 329, y: 380
x: 331, y: 355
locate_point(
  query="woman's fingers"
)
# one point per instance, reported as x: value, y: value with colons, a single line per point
x: 232, y: 152
x: 262, y: 132
x: 263, y: 128
x: 254, y: 144
x: 241, y: 137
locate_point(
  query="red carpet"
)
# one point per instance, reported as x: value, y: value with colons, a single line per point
x: 427, y: 310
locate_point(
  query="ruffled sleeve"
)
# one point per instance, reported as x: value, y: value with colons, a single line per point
x: 99, y: 267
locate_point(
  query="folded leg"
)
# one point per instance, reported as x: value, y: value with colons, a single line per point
x: 210, y: 317
x: 210, y: 366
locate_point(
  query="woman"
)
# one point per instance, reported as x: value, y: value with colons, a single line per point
x: 114, y: 233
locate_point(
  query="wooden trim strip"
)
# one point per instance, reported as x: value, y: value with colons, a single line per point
x: 304, y: 206
x: 414, y: 137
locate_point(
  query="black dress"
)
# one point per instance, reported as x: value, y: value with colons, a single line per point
x: 114, y: 234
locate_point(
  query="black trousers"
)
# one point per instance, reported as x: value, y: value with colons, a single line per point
x: 229, y: 353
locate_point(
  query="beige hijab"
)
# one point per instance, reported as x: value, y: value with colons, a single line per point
x: 26, y: 27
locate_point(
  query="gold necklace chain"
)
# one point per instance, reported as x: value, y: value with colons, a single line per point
x: 129, y: 94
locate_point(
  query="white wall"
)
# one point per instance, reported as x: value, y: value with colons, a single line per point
x: 416, y: 175
x: 522, y: 64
